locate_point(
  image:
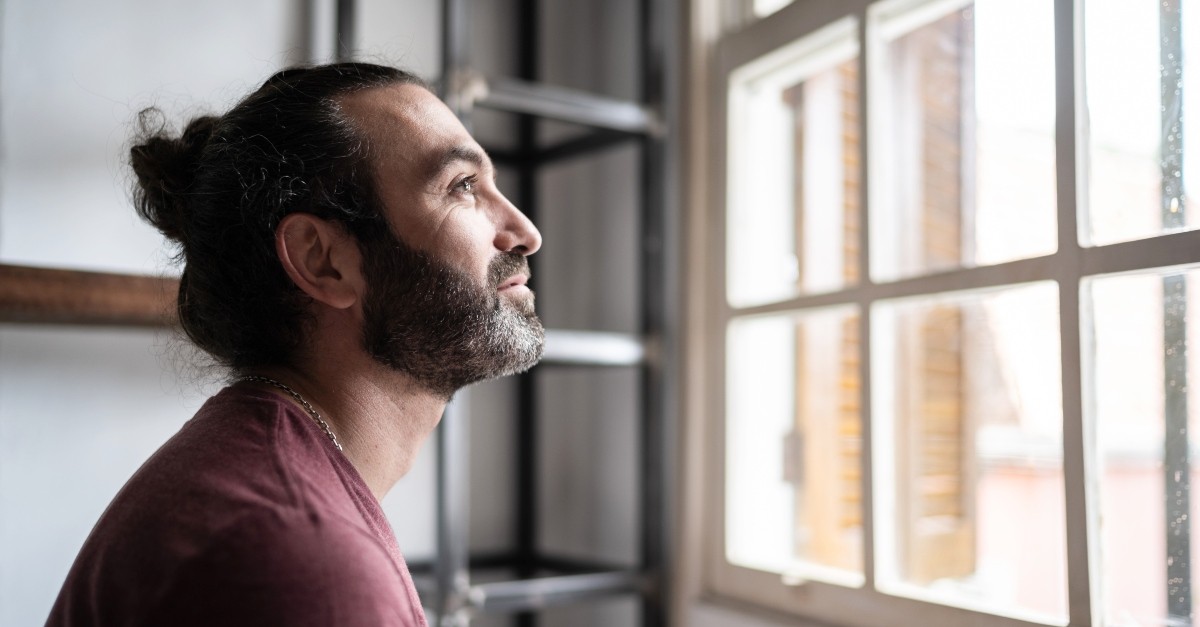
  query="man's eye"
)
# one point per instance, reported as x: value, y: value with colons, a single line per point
x: 467, y: 185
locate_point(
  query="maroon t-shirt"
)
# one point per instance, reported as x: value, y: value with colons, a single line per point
x: 248, y: 516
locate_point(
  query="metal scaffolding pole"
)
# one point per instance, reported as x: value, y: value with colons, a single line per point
x: 1176, y: 465
x: 656, y: 452
x: 528, y: 54
x: 452, y: 566
x: 347, y: 38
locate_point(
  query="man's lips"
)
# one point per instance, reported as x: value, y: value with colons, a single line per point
x: 517, y: 280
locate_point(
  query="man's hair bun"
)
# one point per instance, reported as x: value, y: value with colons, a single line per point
x: 166, y: 169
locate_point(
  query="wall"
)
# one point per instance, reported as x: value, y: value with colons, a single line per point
x: 81, y: 408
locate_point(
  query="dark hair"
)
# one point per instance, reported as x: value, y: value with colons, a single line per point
x: 221, y: 187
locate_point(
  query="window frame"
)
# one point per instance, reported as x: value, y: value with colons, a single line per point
x: 1069, y: 266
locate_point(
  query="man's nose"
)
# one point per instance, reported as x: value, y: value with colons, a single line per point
x: 516, y: 232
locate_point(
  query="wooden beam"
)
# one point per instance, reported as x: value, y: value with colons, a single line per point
x: 53, y: 296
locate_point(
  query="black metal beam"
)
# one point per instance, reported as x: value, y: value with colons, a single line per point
x: 524, y: 596
x: 588, y: 144
x: 509, y: 559
x: 585, y: 145
x: 452, y: 567
x: 510, y: 158
x: 347, y: 37
x: 567, y: 105
x: 477, y: 561
x: 656, y: 452
x: 454, y: 53
x: 575, y: 565
x: 527, y: 31
x: 536, y: 594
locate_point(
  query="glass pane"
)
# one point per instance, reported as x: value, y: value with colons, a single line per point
x: 962, y: 135
x: 793, y: 451
x: 970, y: 506
x: 793, y: 170
x: 1146, y: 431
x: 1142, y: 82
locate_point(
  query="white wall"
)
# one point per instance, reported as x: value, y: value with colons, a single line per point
x: 80, y: 409
x: 72, y: 75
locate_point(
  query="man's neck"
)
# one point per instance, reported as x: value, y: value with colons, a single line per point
x: 380, y: 416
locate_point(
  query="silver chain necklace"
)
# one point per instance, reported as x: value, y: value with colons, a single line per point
x: 299, y: 399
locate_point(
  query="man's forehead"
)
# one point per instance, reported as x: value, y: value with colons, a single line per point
x: 411, y: 123
x: 401, y: 104
x: 469, y: 153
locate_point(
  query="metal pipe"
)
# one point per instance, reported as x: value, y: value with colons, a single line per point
x: 657, y: 426
x: 451, y: 569
x: 1176, y: 465
x: 534, y: 594
x: 347, y: 37
x: 593, y: 348
x: 528, y: 53
x: 455, y: 50
x: 568, y: 105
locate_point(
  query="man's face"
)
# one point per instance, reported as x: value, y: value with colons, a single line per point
x: 446, y: 301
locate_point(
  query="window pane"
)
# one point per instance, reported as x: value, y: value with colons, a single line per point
x: 968, y: 417
x: 962, y: 135
x: 793, y: 170
x: 1143, y: 81
x: 793, y: 479
x: 1146, y: 431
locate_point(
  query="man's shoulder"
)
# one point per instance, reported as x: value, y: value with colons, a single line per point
x: 233, y: 464
x: 282, y: 566
x: 293, y: 552
x: 220, y: 459
x: 243, y: 505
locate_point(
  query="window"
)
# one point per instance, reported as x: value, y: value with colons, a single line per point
x: 959, y: 283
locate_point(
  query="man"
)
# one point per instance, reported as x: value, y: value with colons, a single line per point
x: 347, y: 256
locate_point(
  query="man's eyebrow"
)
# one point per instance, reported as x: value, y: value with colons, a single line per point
x: 459, y: 153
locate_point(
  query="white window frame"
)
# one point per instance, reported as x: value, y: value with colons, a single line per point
x: 1069, y: 266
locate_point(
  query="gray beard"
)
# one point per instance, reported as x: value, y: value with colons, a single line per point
x: 434, y: 323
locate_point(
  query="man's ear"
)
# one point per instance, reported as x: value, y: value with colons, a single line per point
x: 321, y: 258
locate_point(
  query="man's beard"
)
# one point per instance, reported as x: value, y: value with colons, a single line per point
x: 435, y: 323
